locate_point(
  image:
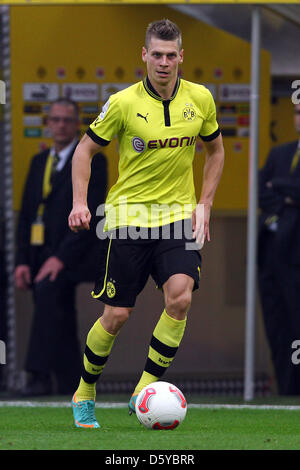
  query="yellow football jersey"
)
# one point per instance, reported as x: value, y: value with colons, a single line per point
x: 156, y: 146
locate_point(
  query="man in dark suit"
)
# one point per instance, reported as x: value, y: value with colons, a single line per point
x: 279, y: 258
x: 52, y: 260
x: 3, y: 286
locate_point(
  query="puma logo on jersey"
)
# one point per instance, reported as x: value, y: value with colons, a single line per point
x: 141, y: 116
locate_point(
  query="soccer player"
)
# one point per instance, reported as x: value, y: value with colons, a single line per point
x: 156, y: 121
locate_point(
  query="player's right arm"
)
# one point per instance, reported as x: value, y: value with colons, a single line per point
x: 99, y: 134
x: 80, y: 215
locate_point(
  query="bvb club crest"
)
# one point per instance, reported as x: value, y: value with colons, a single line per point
x: 110, y: 290
x: 188, y: 112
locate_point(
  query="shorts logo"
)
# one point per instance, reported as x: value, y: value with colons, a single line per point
x: 110, y: 290
x: 188, y: 112
x: 138, y: 144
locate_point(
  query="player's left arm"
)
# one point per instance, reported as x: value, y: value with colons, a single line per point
x: 211, y: 177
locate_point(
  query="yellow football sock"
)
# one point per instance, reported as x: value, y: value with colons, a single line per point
x: 165, y: 341
x: 98, y: 346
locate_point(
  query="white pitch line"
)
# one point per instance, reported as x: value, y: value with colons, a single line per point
x: 56, y: 404
x: 63, y: 404
x: 246, y: 407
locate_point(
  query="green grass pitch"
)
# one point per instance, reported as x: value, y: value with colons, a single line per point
x: 51, y: 428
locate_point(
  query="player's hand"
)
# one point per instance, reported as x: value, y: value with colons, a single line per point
x: 51, y: 268
x: 79, y: 218
x: 200, y: 223
x: 22, y: 276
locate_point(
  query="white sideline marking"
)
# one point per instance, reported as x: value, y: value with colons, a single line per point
x: 64, y: 404
x: 56, y: 404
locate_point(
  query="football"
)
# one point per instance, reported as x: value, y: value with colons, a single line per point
x: 160, y: 405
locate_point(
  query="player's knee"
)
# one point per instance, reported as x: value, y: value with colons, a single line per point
x: 178, y: 304
x: 114, y: 318
x: 121, y: 314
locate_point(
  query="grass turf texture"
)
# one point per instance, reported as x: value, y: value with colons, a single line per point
x: 209, y: 429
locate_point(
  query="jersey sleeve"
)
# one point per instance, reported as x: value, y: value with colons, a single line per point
x: 108, y: 123
x: 210, y: 127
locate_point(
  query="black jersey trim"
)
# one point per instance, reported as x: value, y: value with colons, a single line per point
x: 152, y: 92
x: 166, y: 104
x: 96, y: 138
x: 208, y: 138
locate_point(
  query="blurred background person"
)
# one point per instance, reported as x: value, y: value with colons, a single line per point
x: 3, y: 286
x: 50, y: 259
x: 279, y: 257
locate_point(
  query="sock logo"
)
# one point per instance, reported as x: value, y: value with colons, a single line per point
x: 110, y: 289
x: 165, y: 363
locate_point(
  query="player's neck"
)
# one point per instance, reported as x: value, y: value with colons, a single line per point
x: 165, y: 91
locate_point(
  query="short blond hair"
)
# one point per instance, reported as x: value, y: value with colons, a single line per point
x: 165, y: 30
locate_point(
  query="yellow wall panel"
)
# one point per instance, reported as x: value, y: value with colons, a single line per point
x: 81, y: 39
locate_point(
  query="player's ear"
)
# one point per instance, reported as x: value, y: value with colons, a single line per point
x: 181, y: 56
x: 144, y: 54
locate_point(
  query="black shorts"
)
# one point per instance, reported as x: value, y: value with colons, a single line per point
x: 126, y: 263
